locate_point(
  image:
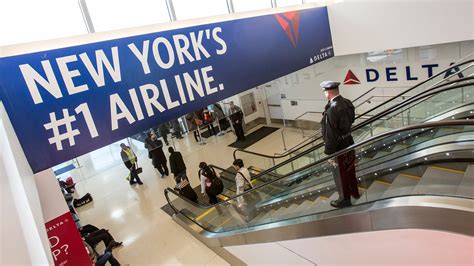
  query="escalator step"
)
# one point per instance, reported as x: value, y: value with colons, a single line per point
x: 439, y: 180
x: 466, y: 187
x: 403, y: 184
x: 374, y: 192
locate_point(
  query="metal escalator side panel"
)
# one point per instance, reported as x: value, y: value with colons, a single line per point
x: 421, y: 212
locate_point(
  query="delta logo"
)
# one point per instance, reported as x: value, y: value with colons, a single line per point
x: 351, y: 78
x: 290, y: 22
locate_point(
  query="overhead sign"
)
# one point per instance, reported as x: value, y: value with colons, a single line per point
x: 66, y: 102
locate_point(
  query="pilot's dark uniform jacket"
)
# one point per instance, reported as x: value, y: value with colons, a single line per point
x: 336, y: 125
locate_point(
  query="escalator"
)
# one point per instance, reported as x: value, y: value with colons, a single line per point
x: 451, y: 101
x: 418, y: 176
x: 377, y: 120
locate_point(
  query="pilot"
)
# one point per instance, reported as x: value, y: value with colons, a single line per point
x: 338, y: 116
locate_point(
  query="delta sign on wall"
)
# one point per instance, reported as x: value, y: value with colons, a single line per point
x: 413, y: 73
x: 69, y: 101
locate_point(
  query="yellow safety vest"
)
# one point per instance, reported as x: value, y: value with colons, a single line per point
x: 131, y: 157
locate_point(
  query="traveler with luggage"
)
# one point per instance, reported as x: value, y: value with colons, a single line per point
x: 131, y: 162
x: 177, y: 165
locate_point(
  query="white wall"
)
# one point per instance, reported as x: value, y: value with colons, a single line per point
x: 23, y: 206
x: 303, y: 86
x: 359, y: 26
x: 13, y: 240
x: 50, y: 195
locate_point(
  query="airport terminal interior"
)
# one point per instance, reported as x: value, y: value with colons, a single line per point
x: 213, y: 132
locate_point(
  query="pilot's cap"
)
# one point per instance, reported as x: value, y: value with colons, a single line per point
x: 329, y: 85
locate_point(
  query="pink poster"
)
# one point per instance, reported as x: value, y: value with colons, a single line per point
x: 66, y: 243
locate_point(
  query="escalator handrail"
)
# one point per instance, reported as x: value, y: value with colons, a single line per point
x: 384, y: 112
x: 368, y: 121
x: 352, y: 147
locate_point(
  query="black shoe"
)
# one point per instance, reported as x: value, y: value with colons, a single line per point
x: 115, y: 244
x: 140, y: 183
x: 133, y: 183
x: 341, y: 203
x: 356, y: 196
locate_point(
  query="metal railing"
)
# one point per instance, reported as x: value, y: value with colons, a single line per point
x: 302, y: 129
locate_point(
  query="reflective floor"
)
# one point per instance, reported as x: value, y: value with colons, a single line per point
x: 132, y: 213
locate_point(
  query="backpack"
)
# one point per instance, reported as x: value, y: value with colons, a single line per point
x: 215, y: 187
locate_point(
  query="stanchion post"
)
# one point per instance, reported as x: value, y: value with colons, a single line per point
x: 220, y: 130
x: 201, y: 142
x: 78, y: 164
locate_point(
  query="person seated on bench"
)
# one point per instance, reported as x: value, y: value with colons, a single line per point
x: 101, y: 260
x: 93, y: 235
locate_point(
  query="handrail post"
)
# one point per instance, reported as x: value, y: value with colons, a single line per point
x: 283, y: 139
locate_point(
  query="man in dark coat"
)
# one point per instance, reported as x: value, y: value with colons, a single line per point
x: 130, y: 160
x: 177, y: 165
x: 236, y: 117
x: 336, y: 127
x: 155, y: 152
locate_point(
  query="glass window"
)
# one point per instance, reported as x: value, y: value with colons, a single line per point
x: 445, y: 51
x: 249, y: 5
x: 27, y: 21
x: 281, y: 3
x: 113, y: 14
x: 188, y: 9
x: 387, y: 56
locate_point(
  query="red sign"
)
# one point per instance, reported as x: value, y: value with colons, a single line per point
x: 351, y: 79
x: 66, y: 243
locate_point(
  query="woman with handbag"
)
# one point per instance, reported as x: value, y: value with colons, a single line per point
x: 131, y: 162
x: 210, y: 183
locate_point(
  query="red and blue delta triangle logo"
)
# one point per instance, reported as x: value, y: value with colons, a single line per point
x: 290, y: 22
x: 351, y: 79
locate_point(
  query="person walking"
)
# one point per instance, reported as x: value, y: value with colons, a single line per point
x: 177, y: 165
x: 336, y: 125
x: 176, y: 128
x: 220, y: 116
x: 131, y: 162
x: 155, y: 151
x: 163, y: 130
x: 242, y: 179
x: 236, y: 117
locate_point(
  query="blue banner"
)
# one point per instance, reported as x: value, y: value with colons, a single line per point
x: 67, y: 102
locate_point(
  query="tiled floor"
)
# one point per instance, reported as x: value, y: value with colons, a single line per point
x: 133, y: 214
